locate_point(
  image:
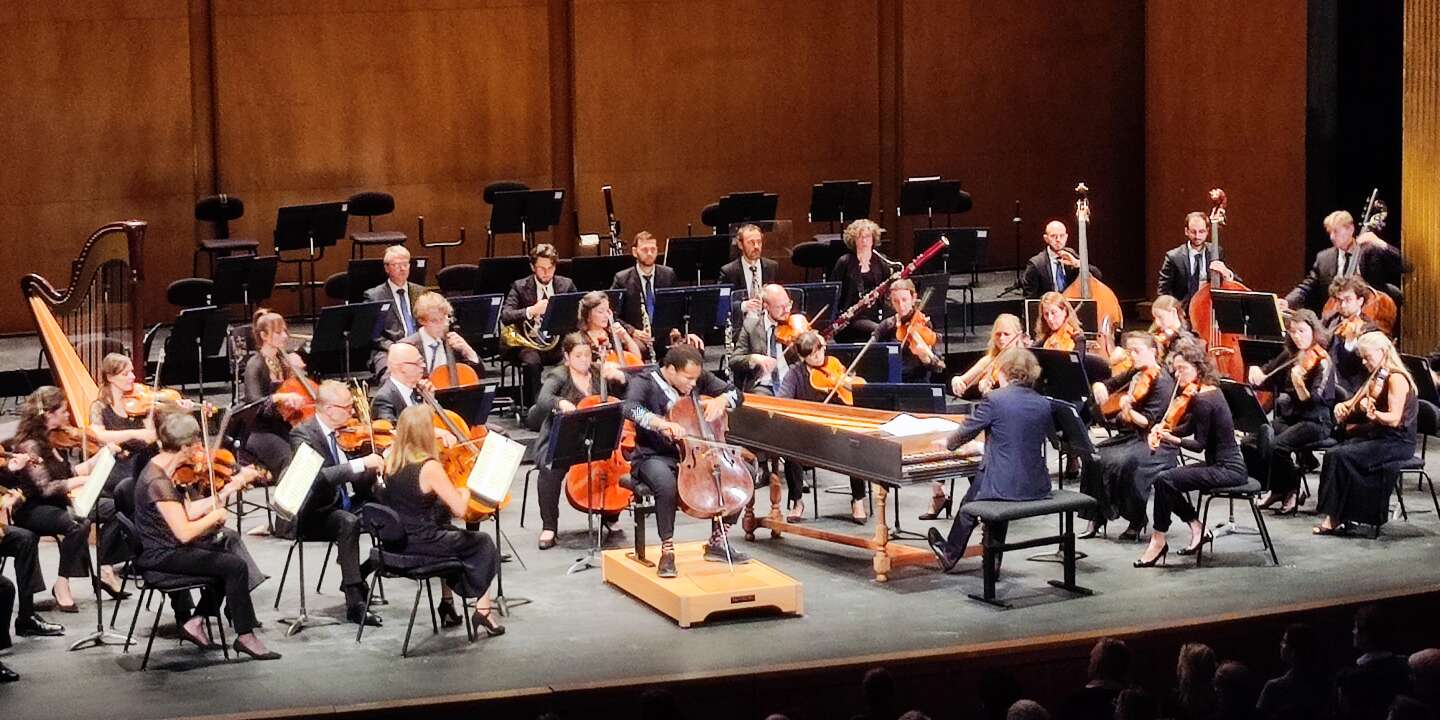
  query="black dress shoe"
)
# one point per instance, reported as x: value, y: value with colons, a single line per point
x: 267, y: 655
x: 666, y: 567
x: 1133, y: 532
x: 36, y: 626
x: 358, y: 615
x: 941, y: 548
x: 7, y: 675
x: 448, y: 617
x: 547, y: 544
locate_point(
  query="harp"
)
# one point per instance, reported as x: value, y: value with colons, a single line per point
x: 97, y: 313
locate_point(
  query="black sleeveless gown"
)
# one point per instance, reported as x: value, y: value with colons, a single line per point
x: 419, y: 511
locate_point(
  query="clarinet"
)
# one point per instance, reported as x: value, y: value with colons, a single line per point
x: 874, y: 295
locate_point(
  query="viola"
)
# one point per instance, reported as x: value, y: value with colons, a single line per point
x: 1138, y: 389
x: 916, y: 333
x: 1174, y: 414
x: 598, y: 489
x: 832, y: 377
x: 357, y: 434
x: 1350, y: 329
x: 714, y: 478
x: 1352, y: 412
x: 70, y: 437
x: 141, y: 399
x: 212, y: 470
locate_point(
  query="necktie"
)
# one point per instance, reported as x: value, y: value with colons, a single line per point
x: 1059, y: 276
x: 404, y: 303
x: 339, y: 458
x: 649, y: 293
x: 1344, y: 264
x: 434, y: 356
x: 1195, y: 270
x: 414, y: 397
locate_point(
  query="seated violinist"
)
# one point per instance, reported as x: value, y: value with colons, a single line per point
x: 190, y: 538
x: 1167, y: 322
x: 269, y: 366
x: 1057, y: 327
x: 437, y: 343
x: 648, y: 401
x: 420, y: 492
x: 1345, y: 328
x: 564, y: 386
x: 343, y: 484
x: 114, y: 424
x: 758, y: 363
x: 1120, y: 480
x: 920, y: 362
x: 598, y: 323
x: 815, y: 380
x: 981, y: 378
x: 1018, y: 422
x: 1304, y: 390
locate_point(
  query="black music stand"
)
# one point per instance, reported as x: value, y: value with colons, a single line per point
x: 477, y: 317
x: 1252, y: 314
x: 937, y: 307
x: 198, y: 333
x: 244, y: 280
x: 1086, y: 310
x: 743, y: 207
x: 699, y: 258
x: 697, y: 310
x: 1425, y: 388
x: 471, y: 402
x: 596, y: 272
x: 100, y: 637
x: 839, y: 201
x: 1259, y: 352
x: 1064, y: 376
x: 581, y: 437
x: 964, y: 255
x: 526, y: 212
x: 929, y: 195
x: 497, y: 274
x: 880, y: 364
x: 344, y: 334
x: 311, y: 229
x: 901, y: 397
x: 562, y: 314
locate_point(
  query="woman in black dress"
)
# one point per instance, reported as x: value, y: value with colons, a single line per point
x: 858, y: 272
x: 1207, y: 426
x: 1304, y: 395
x: 811, y: 348
x: 1379, y: 425
x: 564, y: 386
x: 47, y: 482
x: 112, y: 424
x: 268, y: 440
x: 191, y: 539
x: 416, y: 487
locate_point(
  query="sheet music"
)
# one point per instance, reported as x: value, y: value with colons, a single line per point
x: 495, y: 468
x: 905, y: 425
x: 295, y: 482
x: 90, y: 492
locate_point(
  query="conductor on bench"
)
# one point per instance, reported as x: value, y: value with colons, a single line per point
x: 1017, y: 422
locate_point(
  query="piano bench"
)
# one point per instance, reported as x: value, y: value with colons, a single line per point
x: 1064, y: 503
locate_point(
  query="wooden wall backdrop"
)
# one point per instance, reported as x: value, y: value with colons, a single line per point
x: 1420, y: 186
x: 135, y: 109
x: 1225, y: 106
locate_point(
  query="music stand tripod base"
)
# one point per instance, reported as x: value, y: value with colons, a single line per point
x: 294, y: 625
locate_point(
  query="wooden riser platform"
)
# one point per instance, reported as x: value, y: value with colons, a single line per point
x: 703, y: 588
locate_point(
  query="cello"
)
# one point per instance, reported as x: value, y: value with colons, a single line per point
x: 1085, y: 287
x: 1224, y: 346
x: 453, y: 374
x: 300, y: 384
x: 597, y: 488
x: 714, y: 478
x: 459, y: 459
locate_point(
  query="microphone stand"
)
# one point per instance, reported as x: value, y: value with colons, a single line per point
x: 1017, y: 285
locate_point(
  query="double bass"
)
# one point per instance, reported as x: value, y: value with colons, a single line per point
x: 1224, y: 346
x: 1085, y: 287
x: 1379, y: 306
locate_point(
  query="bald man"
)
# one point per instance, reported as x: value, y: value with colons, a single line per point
x: 1054, y: 268
x: 758, y: 364
x: 401, y: 388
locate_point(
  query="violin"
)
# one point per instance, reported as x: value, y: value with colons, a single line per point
x: 1137, y: 390
x: 1350, y: 329
x: 70, y: 437
x: 141, y: 399
x: 300, y: 384
x: 1062, y: 339
x: 1174, y: 414
x: 714, y: 478
x: 786, y: 332
x: 1363, y: 401
x: 357, y: 434
x: 917, y: 333
x: 834, y: 378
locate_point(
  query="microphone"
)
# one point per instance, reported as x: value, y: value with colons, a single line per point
x: 1016, y: 219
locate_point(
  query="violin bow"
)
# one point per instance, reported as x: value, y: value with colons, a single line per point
x: 849, y: 370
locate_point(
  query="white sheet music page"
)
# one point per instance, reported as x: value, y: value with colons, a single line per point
x: 905, y: 425
x: 495, y: 468
x: 90, y: 491
x: 295, y: 483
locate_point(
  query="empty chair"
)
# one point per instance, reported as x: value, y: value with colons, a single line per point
x: 219, y: 210
x: 370, y: 205
x: 337, y: 287
x: 192, y: 292
x: 458, y: 279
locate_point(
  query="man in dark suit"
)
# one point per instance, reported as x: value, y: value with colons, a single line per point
x: 1055, y: 267
x: 640, y: 283
x: 341, y: 487
x: 750, y: 272
x: 400, y: 388
x: 401, y: 294
x: 1018, y: 423
x: 438, y: 344
x: 527, y: 300
x: 1373, y: 259
x: 1187, y: 266
x: 758, y: 363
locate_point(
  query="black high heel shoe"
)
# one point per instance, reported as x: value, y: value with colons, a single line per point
x: 239, y: 647
x: 1134, y: 532
x: 1208, y: 537
x: 486, y: 619
x: 448, y: 617
x: 1157, y: 560
x: 935, y: 514
x: 71, y: 608
x: 114, y: 593
x: 1095, y: 530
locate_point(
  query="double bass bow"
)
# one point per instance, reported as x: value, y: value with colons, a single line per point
x: 1224, y: 346
x: 1086, y: 287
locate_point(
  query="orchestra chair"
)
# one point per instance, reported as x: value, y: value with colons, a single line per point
x: 710, y: 216
x: 219, y: 210
x: 1250, y: 493
x: 151, y: 582
x: 458, y: 279
x: 814, y: 255
x: 642, y: 504
x: 442, y: 244
x: 488, y: 195
x: 371, y: 205
x: 337, y: 287
x: 390, y: 561
x: 191, y: 292
x: 1427, y: 423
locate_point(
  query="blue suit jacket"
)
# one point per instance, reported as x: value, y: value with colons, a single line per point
x: 1017, y: 422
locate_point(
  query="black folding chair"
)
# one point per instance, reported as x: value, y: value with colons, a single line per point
x: 390, y: 560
